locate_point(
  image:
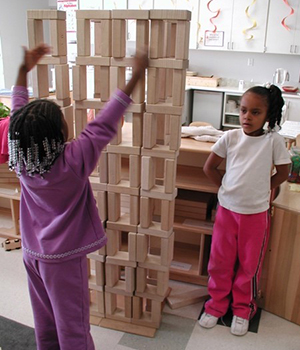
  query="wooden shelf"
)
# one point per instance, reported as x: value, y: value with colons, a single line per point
x: 193, y: 226
x: 193, y: 178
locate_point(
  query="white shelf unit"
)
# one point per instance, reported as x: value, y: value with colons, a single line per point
x: 231, y: 110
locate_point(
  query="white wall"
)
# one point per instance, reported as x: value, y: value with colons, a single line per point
x: 234, y: 65
x: 13, y: 33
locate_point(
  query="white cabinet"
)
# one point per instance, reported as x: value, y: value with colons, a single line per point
x: 190, y: 5
x: 233, y: 25
x: 291, y: 110
x: 283, y: 37
x: 231, y: 110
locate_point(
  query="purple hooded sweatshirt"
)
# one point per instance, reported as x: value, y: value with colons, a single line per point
x: 59, y: 218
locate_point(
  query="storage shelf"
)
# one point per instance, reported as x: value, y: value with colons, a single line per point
x: 193, y: 226
x: 193, y: 178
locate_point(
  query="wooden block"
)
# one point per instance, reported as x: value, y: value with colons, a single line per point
x: 112, y: 246
x: 142, y: 247
x: 175, y: 136
x: 122, y: 61
x: 170, y: 175
x: 150, y: 130
x: 46, y: 14
x: 62, y: 81
x: 182, y: 40
x: 170, y: 40
x: 182, y: 15
x: 83, y: 37
x: 196, y: 295
x: 114, y: 206
x: 118, y: 37
x: 156, y: 39
x: 68, y: 113
x: 134, y: 171
x: 80, y: 121
x: 58, y: 37
x: 170, y: 63
x: 90, y: 103
x: 141, y: 279
x: 35, y: 32
x: 103, y: 167
x: 97, y: 305
x: 130, y: 279
x: 117, y: 78
x: 130, y: 14
x: 102, y: 81
x: 164, y: 108
x: 167, y: 250
x: 153, y: 87
x: 142, y: 34
x: 138, y: 94
x: 40, y: 81
x: 167, y: 214
x: 178, y: 90
x: 137, y: 129
x: 66, y: 102
x: 114, y: 168
x: 121, y: 258
x: 93, y: 14
x: 122, y: 224
x: 93, y: 61
x: 110, y: 303
x: 158, y: 192
x: 146, y: 209
x: 132, y: 246
x: 148, y: 173
x: 79, y: 83
x: 99, y: 272
x: 103, y: 38
x: 53, y: 60
x: 112, y: 274
x: 128, y: 307
x: 162, y: 282
x: 134, y: 210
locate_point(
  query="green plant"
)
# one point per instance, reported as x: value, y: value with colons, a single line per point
x: 4, y: 110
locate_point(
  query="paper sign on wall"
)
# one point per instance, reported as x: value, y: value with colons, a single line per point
x: 212, y: 38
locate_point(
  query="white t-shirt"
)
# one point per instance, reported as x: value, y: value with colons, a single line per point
x: 246, y: 184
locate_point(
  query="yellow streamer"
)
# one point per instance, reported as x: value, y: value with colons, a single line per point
x: 254, y: 23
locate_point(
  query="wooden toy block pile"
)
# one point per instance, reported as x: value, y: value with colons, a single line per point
x: 36, y: 25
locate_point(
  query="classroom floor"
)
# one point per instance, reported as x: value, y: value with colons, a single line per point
x: 179, y: 328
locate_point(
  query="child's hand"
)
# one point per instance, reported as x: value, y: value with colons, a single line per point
x: 141, y: 61
x: 31, y: 57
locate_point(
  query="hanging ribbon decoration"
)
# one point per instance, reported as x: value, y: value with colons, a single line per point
x: 254, y: 23
x: 211, y: 19
x: 290, y: 14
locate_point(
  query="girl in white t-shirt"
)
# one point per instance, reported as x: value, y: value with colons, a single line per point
x: 241, y: 228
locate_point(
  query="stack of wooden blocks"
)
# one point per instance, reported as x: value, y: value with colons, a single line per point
x: 36, y: 25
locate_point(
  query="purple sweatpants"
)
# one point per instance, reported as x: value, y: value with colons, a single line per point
x: 239, y: 243
x: 60, y: 301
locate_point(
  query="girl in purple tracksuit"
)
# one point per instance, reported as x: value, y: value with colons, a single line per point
x: 59, y: 219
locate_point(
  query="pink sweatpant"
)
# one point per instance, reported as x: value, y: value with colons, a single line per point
x: 60, y: 301
x: 239, y: 243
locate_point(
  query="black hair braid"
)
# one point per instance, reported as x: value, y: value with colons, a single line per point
x: 275, y: 106
x: 35, y: 136
x: 274, y: 100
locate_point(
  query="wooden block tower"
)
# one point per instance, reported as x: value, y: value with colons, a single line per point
x: 134, y: 184
x: 58, y: 59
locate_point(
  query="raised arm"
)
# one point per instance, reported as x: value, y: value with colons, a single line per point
x: 211, y: 168
x: 30, y: 59
x: 138, y: 70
